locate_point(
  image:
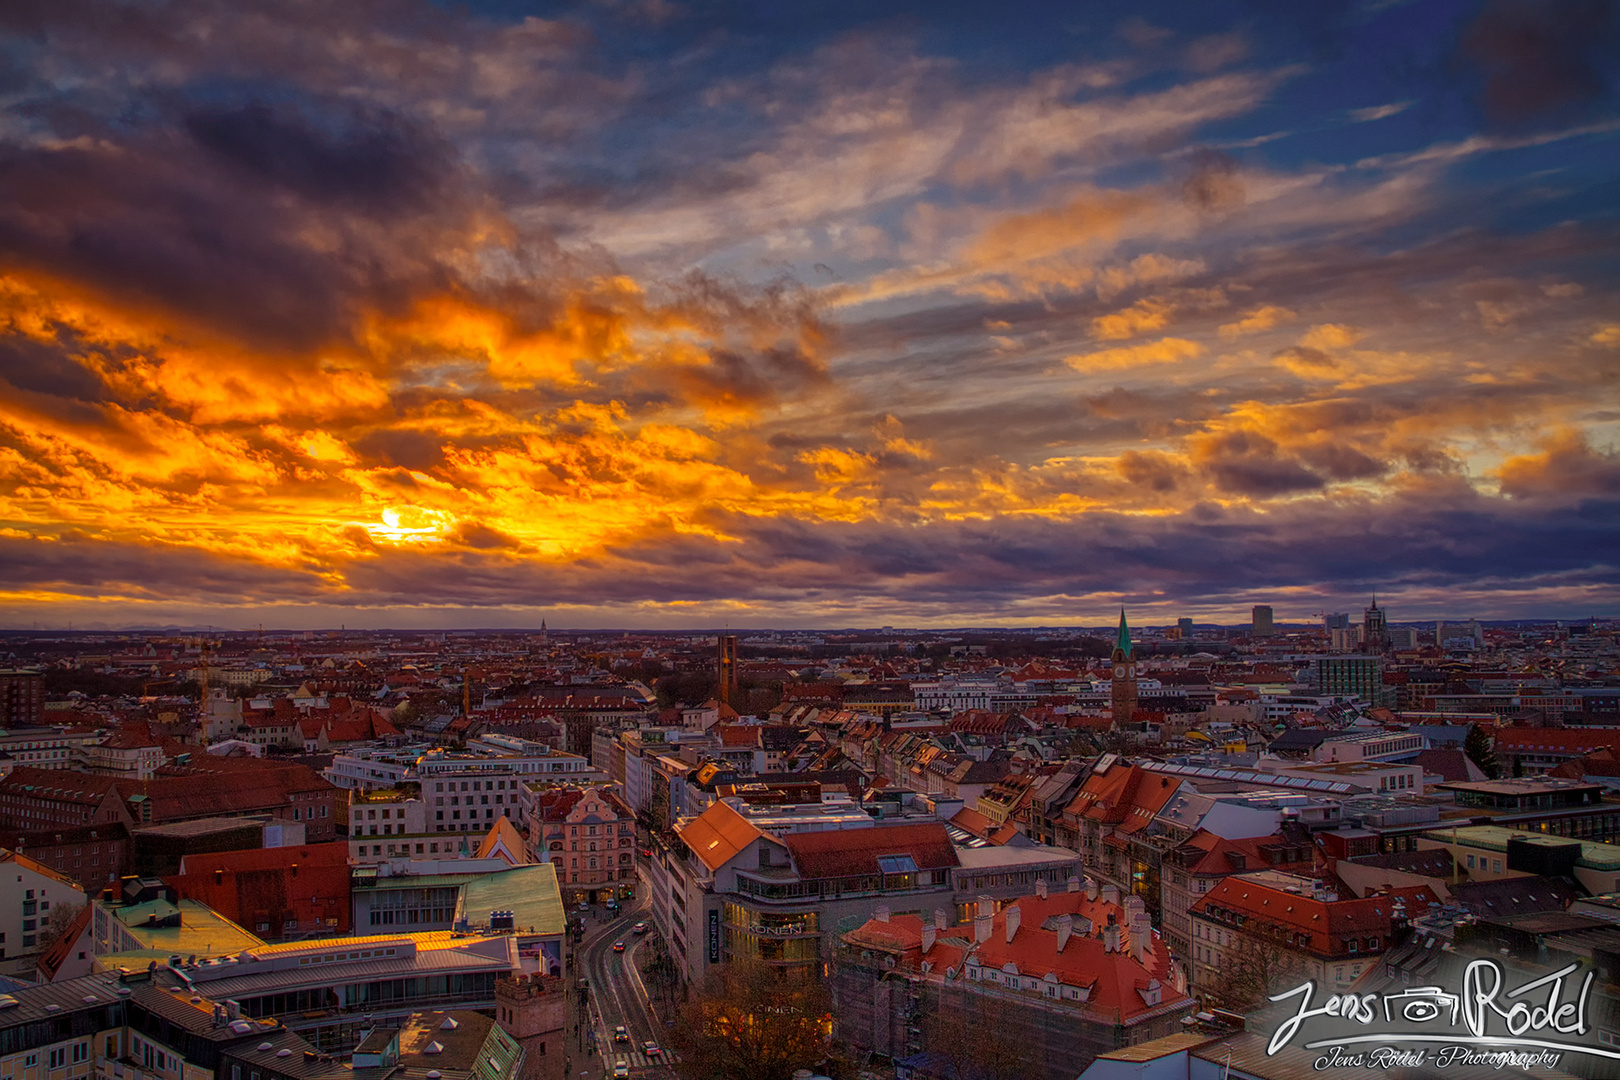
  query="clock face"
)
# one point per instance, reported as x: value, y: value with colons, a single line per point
x: 1119, y: 672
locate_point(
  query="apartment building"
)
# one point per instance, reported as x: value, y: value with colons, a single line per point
x: 1055, y: 977
x: 29, y: 893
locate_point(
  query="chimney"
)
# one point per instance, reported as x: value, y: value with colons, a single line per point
x: 882, y: 914
x: 1110, y: 893
x: 1111, y: 936
x: 1141, y: 939
x: 981, y: 928
x: 987, y: 905
x: 1074, y: 883
x: 941, y: 919
x: 1014, y: 918
x: 1133, y: 907
x: 1065, y: 927
x: 1040, y: 888
x: 929, y: 934
x: 1091, y: 887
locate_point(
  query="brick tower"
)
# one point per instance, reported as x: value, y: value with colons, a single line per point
x: 532, y: 1009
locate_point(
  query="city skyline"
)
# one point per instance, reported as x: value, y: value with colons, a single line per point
x: 647, y: 314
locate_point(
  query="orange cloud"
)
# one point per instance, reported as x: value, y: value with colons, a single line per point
x: 1255, y: 320
x: 1164, y: 351
x: 1146, y: 314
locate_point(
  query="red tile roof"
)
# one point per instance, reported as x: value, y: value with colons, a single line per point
x: 1116, y: 979
x: 852, y: 852
x: 1126, y: 796
x: 1565, y: 740
x: 718, y: 834
x: 1325, y: 922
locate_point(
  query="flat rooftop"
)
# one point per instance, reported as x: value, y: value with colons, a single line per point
x: 186, y: 830
x: 530, y: 893
x: 202, y: 932
x: 1594, y: 855
x: 996, y: 856
x: 1164, y: 1046
x: 1523, y: 785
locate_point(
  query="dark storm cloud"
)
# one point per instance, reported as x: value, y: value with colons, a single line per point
x: 369, y: 160
x: 149, y: 221
x: 1543, y: 61
x: 421, y: 451
x: 78, y: 565
x: 1418, y: 542
x: 44, y: 368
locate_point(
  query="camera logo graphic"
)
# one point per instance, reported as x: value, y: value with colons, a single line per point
x: 1421, y: 1004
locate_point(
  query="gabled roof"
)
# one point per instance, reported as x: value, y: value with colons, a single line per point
x: 1454, y: 765
x: 1126, y: 796
x: 52, y: 960
x: 505, y: 841
x: 24, y: 862
x: 718, y: 835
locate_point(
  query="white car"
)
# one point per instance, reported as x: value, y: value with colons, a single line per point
x: 621, y: 1068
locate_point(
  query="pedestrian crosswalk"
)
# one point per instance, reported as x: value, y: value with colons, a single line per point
x: 638, y: 1060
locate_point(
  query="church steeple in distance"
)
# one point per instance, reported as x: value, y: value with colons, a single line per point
x: 1123, y: 692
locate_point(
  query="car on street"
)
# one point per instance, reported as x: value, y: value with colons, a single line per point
x: 621, y: 1068
x: 650, y: 1048
x: 618, y: 946
x: 620, y: 1035
x: 639, y: 928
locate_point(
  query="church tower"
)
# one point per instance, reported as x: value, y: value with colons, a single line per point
x: 1124, y: 688
x: 1375, y: 629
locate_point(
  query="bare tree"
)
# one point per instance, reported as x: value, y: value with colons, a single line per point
x: 964, y: 1033
x: 57, y: 923
x: 750, y: 1021
x: 1253, y: 968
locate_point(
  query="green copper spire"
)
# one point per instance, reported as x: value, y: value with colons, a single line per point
x: 1123, y: 643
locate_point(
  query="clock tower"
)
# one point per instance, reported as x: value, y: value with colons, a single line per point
x: 1124, y: 675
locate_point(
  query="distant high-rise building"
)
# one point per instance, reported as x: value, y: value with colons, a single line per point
x: 1350, y: 676
x: 728, y: 669
x: 1261, y: 620
x: 1123, y: 692
x: 1344, y: 639
x: 1186, y: 628
x: 1336, y: 621
x: 22, y: 697
x: 1375, y: 629
x: 1464, y: 635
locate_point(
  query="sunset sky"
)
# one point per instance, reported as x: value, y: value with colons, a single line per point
x: 657, y: 313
